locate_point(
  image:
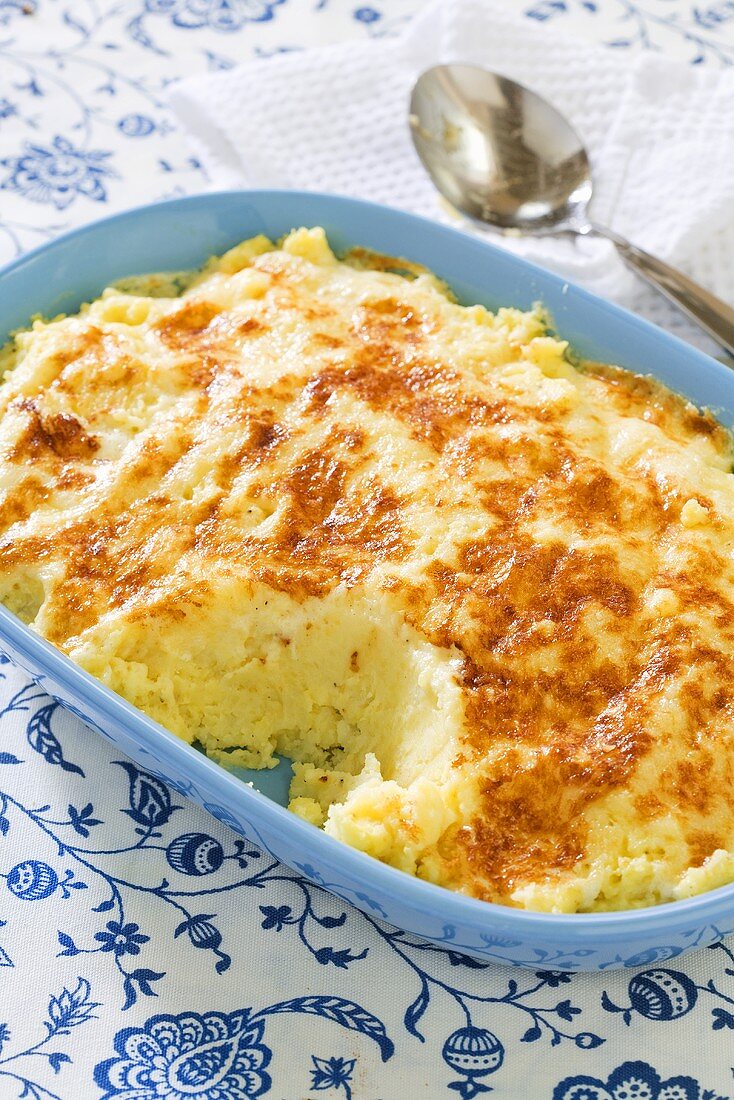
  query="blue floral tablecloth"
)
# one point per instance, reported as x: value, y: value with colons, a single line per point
x: 146, y: 951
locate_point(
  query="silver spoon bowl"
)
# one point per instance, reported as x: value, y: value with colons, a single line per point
x: 504, y: 156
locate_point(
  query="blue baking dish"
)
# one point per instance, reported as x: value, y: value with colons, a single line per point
x: 182, y: 234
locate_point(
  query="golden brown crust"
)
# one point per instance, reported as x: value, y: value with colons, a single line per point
x: 563, y: 554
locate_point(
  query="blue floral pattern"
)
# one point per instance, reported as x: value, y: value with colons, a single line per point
x: 218, y: 1056
x: 633, y: 1081
x: 155, y: 931
x: 332, y: 1073
x: 58, y: 173
x: 83, y: 120
x: 697, y: 32
x: 209, y: 1056
x: 218, y: 15
x: 70, y: 1009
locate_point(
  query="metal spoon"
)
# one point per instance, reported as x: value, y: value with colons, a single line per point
x: 506, y: 157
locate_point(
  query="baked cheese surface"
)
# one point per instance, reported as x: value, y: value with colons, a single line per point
x: 481, y: 596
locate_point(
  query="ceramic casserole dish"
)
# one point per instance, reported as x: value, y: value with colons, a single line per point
x: 182, y: 234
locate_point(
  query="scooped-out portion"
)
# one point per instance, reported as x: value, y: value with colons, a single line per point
x: 478, y: 591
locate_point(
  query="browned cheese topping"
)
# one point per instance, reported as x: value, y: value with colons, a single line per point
x: 480, y: 596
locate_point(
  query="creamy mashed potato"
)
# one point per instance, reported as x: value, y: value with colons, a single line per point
x: 481, y: 596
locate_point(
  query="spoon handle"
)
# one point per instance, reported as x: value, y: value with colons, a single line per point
x: 713, y: 315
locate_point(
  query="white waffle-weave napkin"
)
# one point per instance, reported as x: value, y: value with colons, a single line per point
x: 660, y: 134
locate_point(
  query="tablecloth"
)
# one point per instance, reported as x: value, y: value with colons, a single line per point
x: 148, y: 951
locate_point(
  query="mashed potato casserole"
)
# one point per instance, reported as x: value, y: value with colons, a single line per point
x: 479, y: 594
